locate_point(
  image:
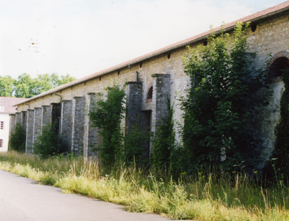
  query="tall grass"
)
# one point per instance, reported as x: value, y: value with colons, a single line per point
x: 231, y: 196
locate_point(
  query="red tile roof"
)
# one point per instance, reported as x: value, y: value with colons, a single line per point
x: 8, y: 103
x: 254, y: 17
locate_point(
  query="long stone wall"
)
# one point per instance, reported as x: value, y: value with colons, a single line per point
x: 270, y: 37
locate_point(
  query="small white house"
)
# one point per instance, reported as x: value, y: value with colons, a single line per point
x: 6, y: 108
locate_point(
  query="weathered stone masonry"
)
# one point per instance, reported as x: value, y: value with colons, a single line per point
x: 271, y: 36
x: 66, y: 123
x: 29, y: 131
x: 78, y: 126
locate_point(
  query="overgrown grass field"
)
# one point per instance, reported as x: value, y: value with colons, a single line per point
x: 231, y: 196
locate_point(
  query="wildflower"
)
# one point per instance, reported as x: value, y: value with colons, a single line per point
x: 255, y: 172
x: 143, y: 186
x: 233, y: 171
x: 213, y: 202
x: 140, y: 172
x: 199, y: 173
x: 191, y: 195
x: 203, y: 176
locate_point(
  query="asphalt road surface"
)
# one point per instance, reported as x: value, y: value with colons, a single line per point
x: 23, y: 199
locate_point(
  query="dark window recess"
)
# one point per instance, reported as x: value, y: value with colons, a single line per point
x: 1, y: 142
x: 205, y: 43
x: 168, y: 56
x: 253, y: 27
x: 1, y: 125
x: 55, y: 116
x: 118, y: 72
x: 149, y: 94
x: 140, y: 64
x: 100, y: 78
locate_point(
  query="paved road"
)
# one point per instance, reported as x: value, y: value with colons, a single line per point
x: 23, y: 199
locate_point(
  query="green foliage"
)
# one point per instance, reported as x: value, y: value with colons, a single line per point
x: 219, y: 106
x: 163, y: 145
x: 6, y: 86
x: 107, y: 116
x: 26, y: 87
x: 17, y: 138
x: 49, y: 143
x: 135, y: 146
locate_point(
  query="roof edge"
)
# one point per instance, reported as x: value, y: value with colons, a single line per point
x: 277, y: 9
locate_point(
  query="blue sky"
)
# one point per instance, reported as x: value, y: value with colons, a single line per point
x: 80, y: 37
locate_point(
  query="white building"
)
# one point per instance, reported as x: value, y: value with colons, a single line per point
x: 6, y: 108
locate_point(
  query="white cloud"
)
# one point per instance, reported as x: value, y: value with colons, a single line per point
x: 83, y: 37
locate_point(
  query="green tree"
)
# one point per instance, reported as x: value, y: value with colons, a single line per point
x: 26, y: 87
x: 6, y: 86
x: 218, y: 109
x: 107, y: 116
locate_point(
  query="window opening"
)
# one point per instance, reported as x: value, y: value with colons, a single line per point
x: 253, y: 27
x: 149, y: 94
x: 1, y: 142
x: 2, y: 125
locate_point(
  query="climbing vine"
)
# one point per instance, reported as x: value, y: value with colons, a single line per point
x: 107, y: 116
x: 163, y: 144
x: 218, y: 109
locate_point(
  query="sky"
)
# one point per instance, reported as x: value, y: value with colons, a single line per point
x: 81, y: 37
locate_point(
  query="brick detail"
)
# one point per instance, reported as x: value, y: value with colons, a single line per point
x: 279, y: 55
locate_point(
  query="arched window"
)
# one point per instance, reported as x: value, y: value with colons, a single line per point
x: 276, y: 68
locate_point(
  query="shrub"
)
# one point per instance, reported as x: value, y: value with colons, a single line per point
x: 17, y: 139
x: 49, y: 143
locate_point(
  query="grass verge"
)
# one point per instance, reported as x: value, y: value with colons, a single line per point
x: 205, y: 197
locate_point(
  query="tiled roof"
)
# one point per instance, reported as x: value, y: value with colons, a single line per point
x: 8, y: 103
x: 254, y: 17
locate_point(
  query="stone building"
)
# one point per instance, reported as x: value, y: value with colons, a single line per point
x: 151, y: 78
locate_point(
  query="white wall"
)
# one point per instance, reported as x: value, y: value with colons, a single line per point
x: 4, y: 133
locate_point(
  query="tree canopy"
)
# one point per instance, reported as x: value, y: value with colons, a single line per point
x: 25, y: 86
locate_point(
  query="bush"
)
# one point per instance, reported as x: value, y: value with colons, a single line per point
x: 49, y: 143
x: 17, y: 139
